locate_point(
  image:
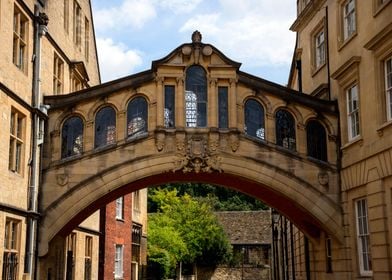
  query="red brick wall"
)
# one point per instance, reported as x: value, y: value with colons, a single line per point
x: 118, y: 232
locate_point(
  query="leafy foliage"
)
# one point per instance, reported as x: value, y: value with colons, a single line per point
x: 219, y: 198
x: 184, y: 230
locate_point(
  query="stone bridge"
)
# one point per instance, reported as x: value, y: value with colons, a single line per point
x: 193, y: 117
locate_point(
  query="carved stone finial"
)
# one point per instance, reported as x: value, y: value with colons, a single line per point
x: 196, y: 37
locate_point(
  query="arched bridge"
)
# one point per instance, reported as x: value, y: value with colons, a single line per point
x: 194, y: 116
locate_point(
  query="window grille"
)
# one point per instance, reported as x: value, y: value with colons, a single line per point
x: 137, y: 117
x: 223, y: 110
x: 72, y: 137
x: 105, y: 127
x: 285, y: 130
x: 196, y: 97
x: 254, y: 119
x: 316, y: 140
x: 169, y: 113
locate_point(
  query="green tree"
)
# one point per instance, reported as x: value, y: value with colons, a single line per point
x: 184, y: 230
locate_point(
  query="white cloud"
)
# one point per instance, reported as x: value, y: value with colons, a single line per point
x: 131, y: 13
x: 116, y: 60
x: 253, y: 32
x: 179, y: 6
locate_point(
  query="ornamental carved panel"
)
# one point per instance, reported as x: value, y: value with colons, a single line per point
x: 197, y: 153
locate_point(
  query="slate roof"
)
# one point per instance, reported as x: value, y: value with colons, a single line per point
x: 246, y: 227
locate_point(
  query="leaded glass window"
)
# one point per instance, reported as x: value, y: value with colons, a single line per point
x: 285, y: 130
x: 196, y: 97
x: 105, y: 127
x: 72, y: 137
x: 316, y: 140
x: 137, y: 117
x: 223, y: 107
x: 169, y: 112
x: 254, y: 119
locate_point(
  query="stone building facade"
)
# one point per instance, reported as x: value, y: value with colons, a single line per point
x: 344, y: 53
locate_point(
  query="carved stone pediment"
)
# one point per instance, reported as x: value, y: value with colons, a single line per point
x: 195, y: 154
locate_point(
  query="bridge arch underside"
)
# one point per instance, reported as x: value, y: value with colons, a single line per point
x: 304, y: 205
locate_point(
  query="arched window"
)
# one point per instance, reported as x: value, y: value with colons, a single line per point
x: 254, y: 119
x: 137, y: 117
x: 285, y: 130
x: 316, y: 140
x: 196, y: 97
x: 72, y: 137
x: 105, y: 127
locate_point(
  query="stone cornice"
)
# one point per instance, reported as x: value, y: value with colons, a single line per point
x: 377, y: 39
x: 306, y: 15
x: 345, y: 67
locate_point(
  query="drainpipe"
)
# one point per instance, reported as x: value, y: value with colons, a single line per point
x: 40, y: 28
x: 327, y: 37
x: 299, y: 68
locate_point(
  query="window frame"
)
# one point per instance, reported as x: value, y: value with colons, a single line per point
x: 86, y: 39
x: 118, y: 261
x: 58, y: 75
x: 321, y: 153
x: 348, y: 32
x: 291, y: 146
x: 17, y: 141
x: 120, y: 208
x: 359, y: 238
x: 223, y: 107
x: 136, y: 200
x: 169, y: 115
x: 88, y: 257
x: 77, y: 24
x: 353, y: 113
x: 81, y: 144
x: 12, y: 231
x: 20, y: 39
x: 320, y: 57
x: 261, y: 109
x: 196, y: 102
x: 388, y: 87
x: 139, y: 115
x: 105, y: 127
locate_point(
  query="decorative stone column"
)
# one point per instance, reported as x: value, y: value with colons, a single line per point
x: 212, y: 103
x: 233, y: 123
x: 180, y: 103
x: 160, y: 101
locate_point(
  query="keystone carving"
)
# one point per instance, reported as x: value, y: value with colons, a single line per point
x: 197, y: 154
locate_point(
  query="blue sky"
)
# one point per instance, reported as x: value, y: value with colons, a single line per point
x: 131, y: 34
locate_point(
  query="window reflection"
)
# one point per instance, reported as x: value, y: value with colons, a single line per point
x: 196, y: 97
x: 285, y: 130
x: 254, y: 119
x: 72, y: 137
x: 316, y: 140
x: 105, y: 127
x: 137, y: 117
